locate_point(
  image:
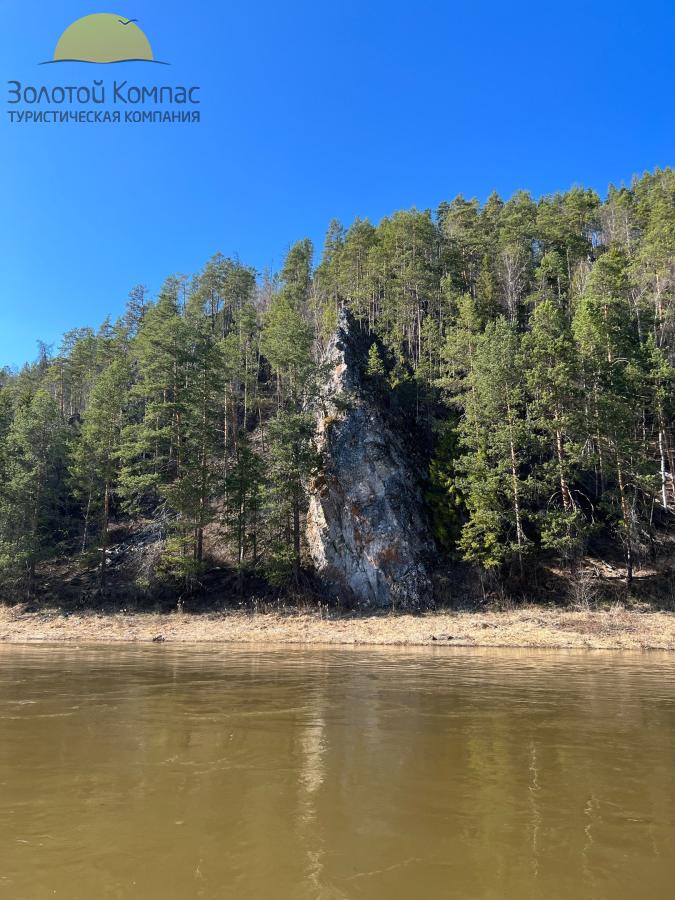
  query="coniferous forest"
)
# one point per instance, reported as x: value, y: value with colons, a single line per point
x: 529, y: 346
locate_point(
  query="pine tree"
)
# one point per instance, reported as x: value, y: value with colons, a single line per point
x: 204, y: 391
x: 494, y: 436
x: 661, y: 410
x: 136, y: 308
x: 152, y: 441
x: 189, y: 492
x: 287, y: 338
x: 95, y: 456
x: 443, y: 495
x: 241, y: 352
x: 613, y: 372
x: 549, y: 361
x: 6, y: 417
x: 245, y: 488
x: 292, y: 460
x: 31, y: 519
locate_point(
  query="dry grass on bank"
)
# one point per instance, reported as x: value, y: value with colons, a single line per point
x: 614, y: 629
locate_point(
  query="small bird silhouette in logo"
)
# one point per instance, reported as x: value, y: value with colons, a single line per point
x: 127, y: 21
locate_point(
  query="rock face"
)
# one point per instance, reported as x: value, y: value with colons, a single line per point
x: 366, y: 528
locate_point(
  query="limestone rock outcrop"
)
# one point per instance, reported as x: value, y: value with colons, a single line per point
x: 367, y: 530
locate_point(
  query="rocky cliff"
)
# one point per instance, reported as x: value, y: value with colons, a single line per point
x: 366, y: 530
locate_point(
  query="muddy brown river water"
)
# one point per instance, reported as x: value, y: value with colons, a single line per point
x: 161, y: 772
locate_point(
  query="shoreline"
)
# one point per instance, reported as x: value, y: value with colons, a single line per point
x: 523, y: 627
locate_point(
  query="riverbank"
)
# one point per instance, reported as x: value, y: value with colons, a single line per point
x: 614, y: 629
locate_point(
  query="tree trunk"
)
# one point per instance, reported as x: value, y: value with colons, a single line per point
x: 628, y: 525
x: 104, y: 533
x: 35, y: 515
x: 296, y: 540
x: 564, y: 487
x: 240, y: 551
x: 516, y: 493
x: 85, y: 534
x: 664, y: 483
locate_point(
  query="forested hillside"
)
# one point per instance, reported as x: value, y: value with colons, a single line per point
x: 528, y: 344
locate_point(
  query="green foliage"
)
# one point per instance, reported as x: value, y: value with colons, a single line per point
x: 292, y: 460
x: 529, y: 349
x: 494, y: 437
x: 245, y: 487
x: 287, y: 345
x: 443, y: 496
x: 36, y: 450
x: 95, y: 454
x: 550, y: 362
x: 375, y: 367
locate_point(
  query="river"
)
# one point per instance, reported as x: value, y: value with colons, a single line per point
x: 219, y: 771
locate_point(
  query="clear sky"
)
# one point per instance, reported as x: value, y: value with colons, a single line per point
x: 310, y: 111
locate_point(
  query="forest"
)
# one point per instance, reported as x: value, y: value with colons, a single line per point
x: 529, y: 345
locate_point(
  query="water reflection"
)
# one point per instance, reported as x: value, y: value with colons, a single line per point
x: 217, y: 772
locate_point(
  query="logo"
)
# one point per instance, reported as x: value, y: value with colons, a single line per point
x: 103, y: 38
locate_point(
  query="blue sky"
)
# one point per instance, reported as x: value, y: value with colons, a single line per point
x: 310, y: 111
